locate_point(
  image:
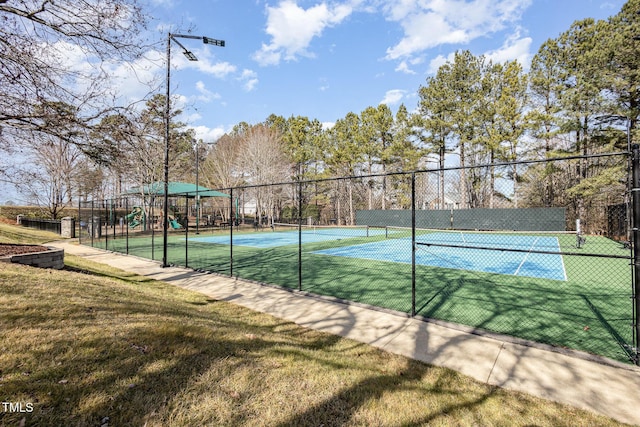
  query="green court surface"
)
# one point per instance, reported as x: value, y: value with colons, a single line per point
x: 590, y: 311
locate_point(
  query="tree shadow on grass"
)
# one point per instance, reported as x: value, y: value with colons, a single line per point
x: 128, y: 277
x: 342, y: 407
x: 128, y: 357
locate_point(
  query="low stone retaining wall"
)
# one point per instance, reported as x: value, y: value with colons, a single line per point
x: 52, y: 258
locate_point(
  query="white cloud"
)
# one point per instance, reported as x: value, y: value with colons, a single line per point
x: 249, y: 79
x: 424, y: 31
x: 207, y: 134
x: 135, y: 80
x: 179, y: 101
x: 610, y: 6
x: 514, y: 48
x: 206, y: 64
x: 328, y: 125
x: 129, y: 81
x: 219, y: 69
x: 324, y: 84
x: 438, y: 61
x: 403, y: 67
x: 268, y: 55
x: 430, y: 23
x: 165, y: 3
x: 393, y: 97
x: 195, y: 116
x: 292, y: 29
x: 205, y: 95
x: 250, y: 85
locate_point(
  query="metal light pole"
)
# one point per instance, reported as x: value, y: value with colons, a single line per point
x: 197, y: 151
x: 167, y: 120
x: 197, y: 187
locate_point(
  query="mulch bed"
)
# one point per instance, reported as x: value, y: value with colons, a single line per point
x: 7, y: 249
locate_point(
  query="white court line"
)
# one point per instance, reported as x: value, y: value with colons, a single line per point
x: 526, y: 256
x: 564, y: 270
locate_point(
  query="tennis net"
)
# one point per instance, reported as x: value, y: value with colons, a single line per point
x: 553, y: 241
x: 334, y: 230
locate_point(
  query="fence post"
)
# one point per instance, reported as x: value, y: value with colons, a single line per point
x: 413, y: 244
x: 231, y: 232
x: 91, y: 223
x: 113, y: 217
x: 635, y: 215
x: 68, y: 227
x: 186, y: 231
x: 126, y: 227
x: 299, y: 235
x: 106, y: 224
x: 79, y: 222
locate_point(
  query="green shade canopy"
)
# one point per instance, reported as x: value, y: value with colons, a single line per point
x: 184, y: 189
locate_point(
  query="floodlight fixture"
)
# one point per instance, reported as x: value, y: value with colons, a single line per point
x: 215, y: 42
x: 190, y: 56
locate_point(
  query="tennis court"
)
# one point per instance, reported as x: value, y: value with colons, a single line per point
x: 285, y: 234
x: 499, y: 282
x: 490, y: 253
x: 519, y: 271
x: 516, y: 255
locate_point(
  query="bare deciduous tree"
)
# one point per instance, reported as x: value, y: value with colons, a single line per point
x: 52, y: 184
x: 54, y: 65
x: 263, y: 161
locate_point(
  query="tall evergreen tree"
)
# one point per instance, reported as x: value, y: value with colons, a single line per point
x: 435, y: 121
x: 545, y: 88
x: 375, y: 135
x: 344, y: 156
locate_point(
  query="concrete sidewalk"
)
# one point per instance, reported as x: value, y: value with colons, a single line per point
x: 610, y: 389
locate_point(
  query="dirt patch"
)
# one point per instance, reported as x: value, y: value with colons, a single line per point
x: 7, y: 249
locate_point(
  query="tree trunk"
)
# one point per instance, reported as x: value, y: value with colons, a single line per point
x: 492, y: 178
x: 464, y: 200
x: 441, y: 204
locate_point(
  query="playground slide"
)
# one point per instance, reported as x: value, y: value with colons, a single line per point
x: 137, y: 215
x: 134, y: 218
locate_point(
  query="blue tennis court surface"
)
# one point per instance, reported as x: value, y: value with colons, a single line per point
x: 271, y: 239
x: 546, y: 266
x: 478, y: 254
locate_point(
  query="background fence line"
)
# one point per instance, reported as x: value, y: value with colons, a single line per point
x: 53, y: 225
x: 539, y: 262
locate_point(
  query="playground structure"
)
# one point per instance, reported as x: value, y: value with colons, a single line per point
x: 147, y: 215
x: 136, y: 217
x: 119, y: 216
x: 174, y: 224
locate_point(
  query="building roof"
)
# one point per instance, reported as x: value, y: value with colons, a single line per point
x: 175, y: 188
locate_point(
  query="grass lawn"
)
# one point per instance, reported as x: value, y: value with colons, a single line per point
x: 590, y: 311
x: 92, y: 345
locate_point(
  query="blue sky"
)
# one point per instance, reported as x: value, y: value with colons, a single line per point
x: 323, y: 59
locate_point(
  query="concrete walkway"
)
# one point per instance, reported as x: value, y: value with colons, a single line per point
x: 611, y: 389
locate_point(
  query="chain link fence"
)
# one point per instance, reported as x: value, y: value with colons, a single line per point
x: 539, y: 251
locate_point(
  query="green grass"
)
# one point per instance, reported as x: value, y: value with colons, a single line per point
x: 92, y: 344
x: 591, y: 311
x: 23, y: 235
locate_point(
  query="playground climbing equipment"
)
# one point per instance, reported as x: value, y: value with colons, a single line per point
x: 136, y: 217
